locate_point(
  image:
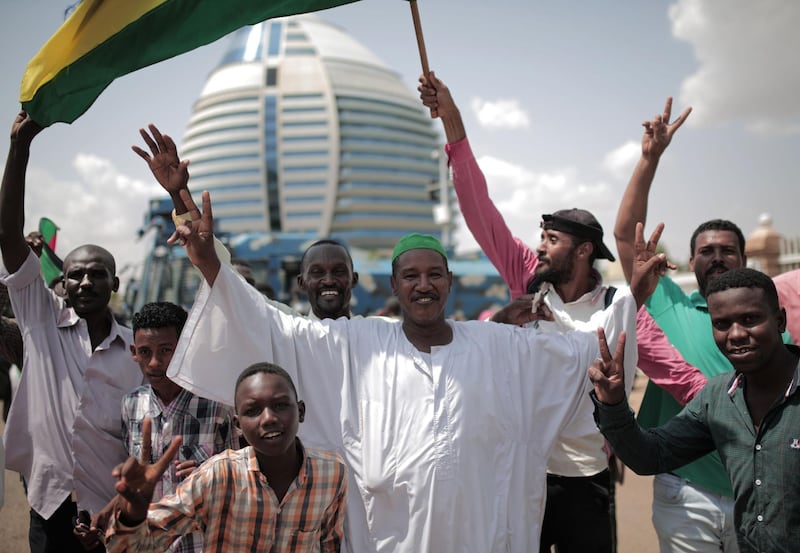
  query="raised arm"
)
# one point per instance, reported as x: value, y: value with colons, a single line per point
x: 436, y: 96
x: 197, y: 236
x: 633, y: 207
x: 12, y: 192
x: 515, y: 261
x: 170, y: 172
x: 662, y: 362
x: 682, y: 439
x: 647, y: 266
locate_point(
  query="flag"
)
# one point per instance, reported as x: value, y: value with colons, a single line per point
x: 105, y: 39
x: 52, y: 265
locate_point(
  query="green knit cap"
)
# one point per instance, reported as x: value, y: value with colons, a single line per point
x: 416, y: 241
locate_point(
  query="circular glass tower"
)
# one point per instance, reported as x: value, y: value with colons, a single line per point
x: 301, y: 129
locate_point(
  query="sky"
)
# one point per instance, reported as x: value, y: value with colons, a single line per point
x: 553, y: 95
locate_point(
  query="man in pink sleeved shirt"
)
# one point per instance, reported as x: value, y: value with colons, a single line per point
x: 561, y: 270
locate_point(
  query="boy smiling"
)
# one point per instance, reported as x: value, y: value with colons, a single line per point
x: 274, y: 495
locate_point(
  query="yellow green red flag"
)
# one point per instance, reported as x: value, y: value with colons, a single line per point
x: 105, y: 39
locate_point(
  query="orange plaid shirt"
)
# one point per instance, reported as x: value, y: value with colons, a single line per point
x: 229, y: 500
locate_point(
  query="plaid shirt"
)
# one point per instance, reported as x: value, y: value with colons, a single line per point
x: 206, y: 427
x: 230, y: 501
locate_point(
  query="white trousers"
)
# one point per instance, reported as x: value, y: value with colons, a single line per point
x: 689, y: 519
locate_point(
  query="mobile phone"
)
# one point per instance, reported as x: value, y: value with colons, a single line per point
x: 83, y: 519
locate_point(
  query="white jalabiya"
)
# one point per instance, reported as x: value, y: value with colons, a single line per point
x: 447, y: 451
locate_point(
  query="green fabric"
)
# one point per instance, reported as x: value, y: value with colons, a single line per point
x: 175, y: 27
x: 416, y: 241
x: 52, y: 265
x: 687, y: 324
x: 49, y: 230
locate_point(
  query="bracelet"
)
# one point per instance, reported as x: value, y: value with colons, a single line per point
x: 223, y: 253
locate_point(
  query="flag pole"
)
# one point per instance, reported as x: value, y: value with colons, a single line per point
x: 423, y: 55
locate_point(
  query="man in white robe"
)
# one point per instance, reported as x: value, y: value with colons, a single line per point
x: 446, y: 426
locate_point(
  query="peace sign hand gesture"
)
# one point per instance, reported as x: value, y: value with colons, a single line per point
x: 137, y: 479
x: 608, y: 373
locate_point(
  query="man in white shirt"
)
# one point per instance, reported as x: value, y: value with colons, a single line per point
x: 446, y: 426
x: 63, y: 433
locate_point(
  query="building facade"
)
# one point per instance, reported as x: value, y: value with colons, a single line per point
x: 301, y: 129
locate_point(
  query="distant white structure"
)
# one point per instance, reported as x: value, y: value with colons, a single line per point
x: 302, y: 129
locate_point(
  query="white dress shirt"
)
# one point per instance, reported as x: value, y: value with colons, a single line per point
x: 64, y: 430
x: 579, y: 451
x: 447, y: 452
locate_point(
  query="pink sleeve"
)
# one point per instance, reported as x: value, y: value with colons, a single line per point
x: 788, y: 285
x: 515, y: 261
x: 663, y: 364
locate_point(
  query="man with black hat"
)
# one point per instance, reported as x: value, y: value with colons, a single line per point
x: 561, y: 272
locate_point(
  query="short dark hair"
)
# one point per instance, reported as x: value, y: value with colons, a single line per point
x: 267, y: 368
x: 745, y: 278
x: 325, y: 242
x: 717, y: 224
x: 162, y: 314
x: 97, y: 251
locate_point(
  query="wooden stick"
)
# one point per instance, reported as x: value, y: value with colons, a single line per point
x: 423, y: 55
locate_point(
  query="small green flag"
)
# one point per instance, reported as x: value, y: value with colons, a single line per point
x: 52, y: 265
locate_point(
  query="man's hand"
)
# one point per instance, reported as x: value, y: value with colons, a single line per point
x: 35, y: 240
x: 91, y: 535
x: 185, y: 468
x: 24, y: 129
x: 648, y: 266
x: 658, y: 132
x: 608, y: 374
x: 137, y: 480
x: 436, y: 96
x: 170, y: 172
x: 197, y: 236
x: 523, y: 310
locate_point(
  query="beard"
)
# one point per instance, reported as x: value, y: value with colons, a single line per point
x: 704, y: 279
x: 556, y: 273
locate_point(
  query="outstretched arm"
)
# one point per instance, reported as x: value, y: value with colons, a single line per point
x: 12, y: 192
x: 170, y: 172
x: 663, y: 364
x: 682, y: 439
x: 515, y: 261
x: 633, y: 207
x: 648, y: 266
x: 523, y: 310
x: 436, y: 96
x: 197, y: 236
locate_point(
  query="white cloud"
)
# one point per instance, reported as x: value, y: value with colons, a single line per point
x: 522, y: 196
x: 102, y: 207
x: 500, y: 114
x: 747, y: 67
x: 620, y: 161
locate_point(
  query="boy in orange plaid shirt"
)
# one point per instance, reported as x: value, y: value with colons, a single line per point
x: 274, y: 495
